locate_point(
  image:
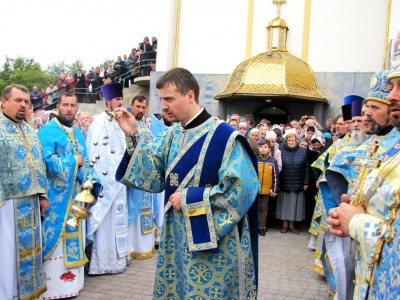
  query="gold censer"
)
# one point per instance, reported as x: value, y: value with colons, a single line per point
x: 76, y: 209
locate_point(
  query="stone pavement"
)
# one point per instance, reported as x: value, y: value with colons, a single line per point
x: 285, y: 272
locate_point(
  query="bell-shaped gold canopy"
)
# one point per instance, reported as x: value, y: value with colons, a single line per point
x: 277, y: 22
x: 272, y: 74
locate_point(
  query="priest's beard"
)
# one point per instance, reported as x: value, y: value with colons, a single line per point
x: 396, y: 118
x: 396, y: 122
x: 64, y: 121
x: 139, y: 116
x: 359, y: 137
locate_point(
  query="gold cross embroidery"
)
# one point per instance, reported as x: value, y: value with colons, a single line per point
x: 173, y: 179
x: 24, y: 223
x: 9, y: 168
x: 5, y: 140
x: 363, y: 165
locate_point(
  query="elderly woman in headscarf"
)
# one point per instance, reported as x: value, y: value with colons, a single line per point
x: 85, y: 120
x: 244, y: 129
x: 29, y: 116
x: 253, y: 140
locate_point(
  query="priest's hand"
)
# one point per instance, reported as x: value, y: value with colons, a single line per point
x: 79, y: 160
x: 125, y: 120
x: 44, y: 204
x: 175, y: 200
x: 340, y: 217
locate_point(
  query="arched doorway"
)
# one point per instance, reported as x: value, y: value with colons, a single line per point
x: 276, y: 114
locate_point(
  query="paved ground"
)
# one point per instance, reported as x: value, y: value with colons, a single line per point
x: 285, y: 273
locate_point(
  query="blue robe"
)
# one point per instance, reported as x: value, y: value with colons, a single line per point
x: 65, y: 177
x: 139, y: 201
x: 23, y: 179
x: 319, y: 225
x: 209, y: 250
x: 372, y: 234
x: 341, y: 176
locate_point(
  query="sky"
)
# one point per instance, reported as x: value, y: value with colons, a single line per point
x: 90, y: 30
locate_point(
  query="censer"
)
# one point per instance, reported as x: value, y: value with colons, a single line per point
x: 86, y: 197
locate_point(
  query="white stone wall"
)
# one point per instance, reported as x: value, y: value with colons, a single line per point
x: 344, y: 35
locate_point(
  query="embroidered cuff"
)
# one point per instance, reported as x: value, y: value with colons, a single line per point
x: 353, y: 226
x: 364, y: 226
x: 131, y: 142
x: 198, y: 218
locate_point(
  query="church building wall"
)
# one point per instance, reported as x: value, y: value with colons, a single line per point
x: 345, y: 46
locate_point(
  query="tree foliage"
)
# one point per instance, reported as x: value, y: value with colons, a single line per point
x: 29, y: 73
x: 56, y: 69
x: 23, y: 71
x: 77, y: 64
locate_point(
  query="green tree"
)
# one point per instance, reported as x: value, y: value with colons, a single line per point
x: 75, y: 66
x: 23, y: 71
x: 56, y: 69
x: 5, y: 74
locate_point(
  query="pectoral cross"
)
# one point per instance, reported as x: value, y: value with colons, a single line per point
x: 30, y: 157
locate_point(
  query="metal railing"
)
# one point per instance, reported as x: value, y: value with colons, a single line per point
x: 142, y: 68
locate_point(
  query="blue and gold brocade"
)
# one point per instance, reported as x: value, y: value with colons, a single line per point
x: 65, y: 177
x: 23, y: 178
x: 380, y: 190
x: 206, y: 250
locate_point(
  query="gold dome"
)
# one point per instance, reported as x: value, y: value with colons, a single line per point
x: 272, y: 74
x: 277, y: 22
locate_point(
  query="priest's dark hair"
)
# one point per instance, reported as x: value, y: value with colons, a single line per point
x: 67, y: 94
x: 183, y: 80
x: 139, y: 98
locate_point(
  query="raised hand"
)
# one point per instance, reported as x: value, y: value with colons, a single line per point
x: 125, y: 120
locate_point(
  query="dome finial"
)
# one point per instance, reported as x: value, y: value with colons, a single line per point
x: 279, y: 3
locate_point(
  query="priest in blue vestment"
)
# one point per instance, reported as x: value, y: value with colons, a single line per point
x: 23, y: 196
x: 141, y: 204
x: 68, y: 167
x: 209, y: 239
x: 370, y: 214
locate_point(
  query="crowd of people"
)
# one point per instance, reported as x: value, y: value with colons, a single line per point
x: 112, y: 188
x: 86, y: 85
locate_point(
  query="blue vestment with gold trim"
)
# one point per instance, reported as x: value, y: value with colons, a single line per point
x: 341, y: 179
x: 65, y: 178
x: 209, y: 250
x: 23, y: 179
x: 141, y: 202
x: 377, y: 232
x: 319, y: 225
